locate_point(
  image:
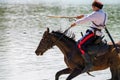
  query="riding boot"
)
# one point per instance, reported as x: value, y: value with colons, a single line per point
x: 88, y: 62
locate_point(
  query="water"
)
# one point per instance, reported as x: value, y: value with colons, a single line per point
x: 21, y: 28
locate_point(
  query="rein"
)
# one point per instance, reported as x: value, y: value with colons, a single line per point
x: 62, y: 35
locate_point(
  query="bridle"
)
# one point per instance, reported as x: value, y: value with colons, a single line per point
x: 53, y: 43
x: 61, y: 36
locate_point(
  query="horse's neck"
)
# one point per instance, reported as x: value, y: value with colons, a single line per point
x: 63, y: 45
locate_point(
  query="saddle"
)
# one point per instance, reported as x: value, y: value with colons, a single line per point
x: 98, y: 48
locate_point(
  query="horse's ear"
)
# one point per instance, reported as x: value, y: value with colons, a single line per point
x: 48, y: 29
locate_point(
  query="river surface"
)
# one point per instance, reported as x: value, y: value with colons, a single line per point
x: 21, y: 29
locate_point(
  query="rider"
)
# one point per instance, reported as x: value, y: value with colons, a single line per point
x: 98, y: 19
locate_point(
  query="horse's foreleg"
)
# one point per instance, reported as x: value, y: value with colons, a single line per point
x: 74, y: 73
x: 64, y: 71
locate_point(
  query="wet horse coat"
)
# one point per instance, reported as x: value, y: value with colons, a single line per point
x: 75, y: 63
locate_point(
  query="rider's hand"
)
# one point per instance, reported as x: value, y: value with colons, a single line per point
x: 72, y: 25
x: 79, y: 17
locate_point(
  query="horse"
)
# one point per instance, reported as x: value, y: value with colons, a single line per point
x: 72, y: 56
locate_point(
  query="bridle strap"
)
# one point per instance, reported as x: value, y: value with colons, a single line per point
x: 62, y: 35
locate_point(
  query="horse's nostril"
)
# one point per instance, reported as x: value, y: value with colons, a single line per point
x: 36, y: 52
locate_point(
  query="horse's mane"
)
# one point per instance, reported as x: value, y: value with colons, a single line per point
x: 69, y: 35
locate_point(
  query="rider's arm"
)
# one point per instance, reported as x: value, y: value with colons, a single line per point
x: 88, y: 18
x: 77, y: 17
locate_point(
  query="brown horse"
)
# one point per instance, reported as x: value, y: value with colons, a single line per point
x: 73, y: 59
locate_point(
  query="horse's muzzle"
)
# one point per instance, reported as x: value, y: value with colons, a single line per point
x: 38, y: 53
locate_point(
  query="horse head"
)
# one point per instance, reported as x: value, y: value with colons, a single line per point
x: 45, y: 43
x: 54, y: 38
